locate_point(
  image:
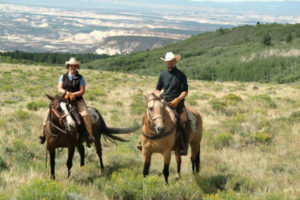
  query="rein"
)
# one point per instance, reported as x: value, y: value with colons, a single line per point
x: 58, y: 128
x: 158, y: 136
x: 58, y: 116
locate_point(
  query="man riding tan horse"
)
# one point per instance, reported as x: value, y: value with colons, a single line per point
x: 167, y: 124
x: 174, y: 83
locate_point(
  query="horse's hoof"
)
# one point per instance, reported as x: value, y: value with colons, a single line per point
x: 139, y: 147
x: 177, y: 177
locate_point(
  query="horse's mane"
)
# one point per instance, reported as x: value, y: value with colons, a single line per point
x: 155, y: 96
x: 60, y: 98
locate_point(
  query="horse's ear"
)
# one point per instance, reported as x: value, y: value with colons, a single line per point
x: 160, y: 93
x: 49, y: 97
x: 143, y: 93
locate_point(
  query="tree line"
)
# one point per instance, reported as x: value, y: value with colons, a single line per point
x: 46, y: 57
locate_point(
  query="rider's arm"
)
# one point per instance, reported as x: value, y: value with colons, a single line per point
x: 80, y: 92
x: 182, y: 95
x: 60, y: 88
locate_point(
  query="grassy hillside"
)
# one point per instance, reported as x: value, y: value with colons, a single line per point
x: 267, y: 53
x: 250, y: 147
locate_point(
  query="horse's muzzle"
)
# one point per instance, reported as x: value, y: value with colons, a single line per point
x: 160, y: 129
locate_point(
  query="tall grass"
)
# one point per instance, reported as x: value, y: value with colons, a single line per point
x: 249, y: 149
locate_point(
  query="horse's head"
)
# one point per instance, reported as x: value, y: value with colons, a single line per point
x: 155, y: 110
x: 59, y: 111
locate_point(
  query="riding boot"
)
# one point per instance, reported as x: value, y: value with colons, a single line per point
x: 42, y: 136
x: 88, y: 124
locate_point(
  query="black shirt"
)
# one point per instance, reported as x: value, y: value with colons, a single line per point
x: 173, y: 82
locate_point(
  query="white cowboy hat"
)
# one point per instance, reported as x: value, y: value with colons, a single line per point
x: 170, y: 56
x: 72, y: 61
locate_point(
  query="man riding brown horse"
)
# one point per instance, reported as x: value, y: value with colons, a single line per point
x: 174, y: 83
x: 72, y: 86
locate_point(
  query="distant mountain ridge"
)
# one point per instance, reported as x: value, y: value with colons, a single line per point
x: 268, y: 53
x: 128, y: 44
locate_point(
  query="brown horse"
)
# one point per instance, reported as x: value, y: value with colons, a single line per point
x: 62, y: 131
x: 159, y: 136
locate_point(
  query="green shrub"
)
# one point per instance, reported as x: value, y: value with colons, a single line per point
x: 234, y: 124
x: 119, y: 103
x: 21, y: 115
x: 222, y: 140
x: 265, y: 99
x: 46, y: 189
x: 211, y: 184
x: 32, y: 106
x: 266, y: 40
x: 288, y: 37
x: 228, y: 195
x: 130, y: 184
x: 125, y: 185
x: 274, y: 196
x: 3, y: 164
x: 240, y: 184
x: 295, y: 116
x: 2, y: 123
x: 7, y: 88
x: 255, y: 87
x: 233, y: 98
x: 218, y: 105
x: 262, y: 138
x: 9, y: 101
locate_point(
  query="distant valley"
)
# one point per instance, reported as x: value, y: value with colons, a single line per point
x: 123, y: 27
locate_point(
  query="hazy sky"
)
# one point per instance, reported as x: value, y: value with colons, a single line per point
x: 244, y: 0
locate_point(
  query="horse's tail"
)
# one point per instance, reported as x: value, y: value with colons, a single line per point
x: 109, y: 133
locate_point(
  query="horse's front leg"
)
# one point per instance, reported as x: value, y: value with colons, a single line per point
x: 167, y: 159
x: 147, y: 160
x: 52, y: 162
x: 70, y: 159
x: 81, y: 151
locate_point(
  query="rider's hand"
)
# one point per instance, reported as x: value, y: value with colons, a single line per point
x: 72, y: 96
x: 174, y: 103
x: 66, y: 95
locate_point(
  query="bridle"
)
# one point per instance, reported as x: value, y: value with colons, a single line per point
x: 60, y: 119
x: 153, y: 118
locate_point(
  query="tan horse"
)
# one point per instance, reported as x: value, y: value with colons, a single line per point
x: 159, y: 136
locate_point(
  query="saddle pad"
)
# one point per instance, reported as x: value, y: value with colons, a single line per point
x: 93, y: 115
x: 192, y: 119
